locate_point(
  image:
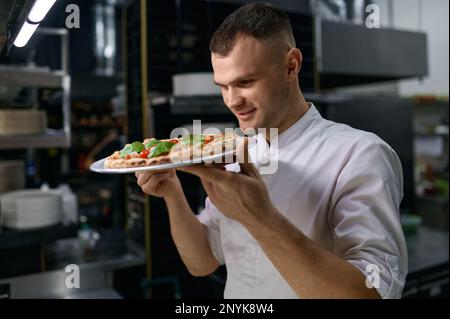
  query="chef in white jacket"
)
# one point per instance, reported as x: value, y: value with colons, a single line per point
x: 315, y: 212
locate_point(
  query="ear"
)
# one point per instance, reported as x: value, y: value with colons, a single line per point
x: 293, y: 63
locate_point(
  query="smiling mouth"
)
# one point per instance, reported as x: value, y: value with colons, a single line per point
x: 246, y: 115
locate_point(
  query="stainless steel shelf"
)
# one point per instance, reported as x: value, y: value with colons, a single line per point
x: 46, y: 140
x: 14, y: 238
x: 26, y: 76
x: 42, y: 77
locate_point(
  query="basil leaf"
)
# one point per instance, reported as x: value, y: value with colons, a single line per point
x: 161, y: 148
x: 192, y: 139
x: 126, y: 151
x: 152, y: 143
x: 137, y: 147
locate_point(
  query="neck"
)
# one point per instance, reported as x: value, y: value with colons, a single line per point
x: 297, y: 107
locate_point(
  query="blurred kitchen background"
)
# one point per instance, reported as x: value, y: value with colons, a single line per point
x: 138, y: 68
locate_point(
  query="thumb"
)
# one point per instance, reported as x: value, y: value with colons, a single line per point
x: 244, y: 160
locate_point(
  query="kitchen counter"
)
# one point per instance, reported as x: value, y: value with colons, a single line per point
x: 112, y: 249
x: 96, y: 269
x: 428, y: 273
x: 105, y: 293
x: 427, y: 248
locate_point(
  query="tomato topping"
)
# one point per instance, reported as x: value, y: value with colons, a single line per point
x: 144, y: 154
x: 175, y: 141
x: 128, y: 156
x: 208, y: 139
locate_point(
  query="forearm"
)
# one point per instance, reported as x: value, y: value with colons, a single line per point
x: 189, y: 236
x: 311, y: 271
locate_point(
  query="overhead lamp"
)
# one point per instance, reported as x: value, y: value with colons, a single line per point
x: 40, y: 10
x: 25, y: 34
x: 37, y: 14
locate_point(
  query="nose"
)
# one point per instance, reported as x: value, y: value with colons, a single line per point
x: 233, y: 98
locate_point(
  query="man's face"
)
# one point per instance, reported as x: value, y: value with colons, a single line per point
x: 253, y: 83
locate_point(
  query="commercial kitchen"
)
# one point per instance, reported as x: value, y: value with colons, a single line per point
x: 80, y: 79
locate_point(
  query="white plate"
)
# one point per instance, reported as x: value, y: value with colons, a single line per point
x: 98, y: 166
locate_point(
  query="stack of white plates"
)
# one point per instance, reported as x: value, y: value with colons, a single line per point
x: 30, y: 208
x: 15, y: 122
x: 12, y: 175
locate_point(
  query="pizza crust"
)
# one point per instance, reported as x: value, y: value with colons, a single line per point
x: 135, y: 162
x: 223, y: 143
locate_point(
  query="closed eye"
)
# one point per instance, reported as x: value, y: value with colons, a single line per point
x: 245, y: 83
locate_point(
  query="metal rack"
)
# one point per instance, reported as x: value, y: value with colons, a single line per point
x: 39, y: 77
x: 36, y: 236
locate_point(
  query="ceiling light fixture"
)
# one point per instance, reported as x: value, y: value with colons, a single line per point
x: 35, y: 17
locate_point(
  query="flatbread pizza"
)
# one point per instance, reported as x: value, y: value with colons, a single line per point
x: 153, y: 151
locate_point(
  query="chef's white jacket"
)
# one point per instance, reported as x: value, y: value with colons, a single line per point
x: 341, y: 187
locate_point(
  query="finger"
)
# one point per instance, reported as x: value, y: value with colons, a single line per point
x: 159, y: 177
x: 210, y: 174
x: 149, y: 187
x: 149, y: 173
x: 153, y: 182
x: 216, y: 165
x: 244, y: 160
x: 143, y: 178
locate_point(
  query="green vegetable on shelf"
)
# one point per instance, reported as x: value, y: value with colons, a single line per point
x: 442, y: 186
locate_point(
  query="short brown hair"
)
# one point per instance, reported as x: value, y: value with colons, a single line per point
x: 262, y: 21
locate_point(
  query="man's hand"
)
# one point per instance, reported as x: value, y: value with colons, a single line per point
x: 241, y: 196
x: 159, y: 183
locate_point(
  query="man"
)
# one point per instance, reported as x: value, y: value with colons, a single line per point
x: 326, y: 221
